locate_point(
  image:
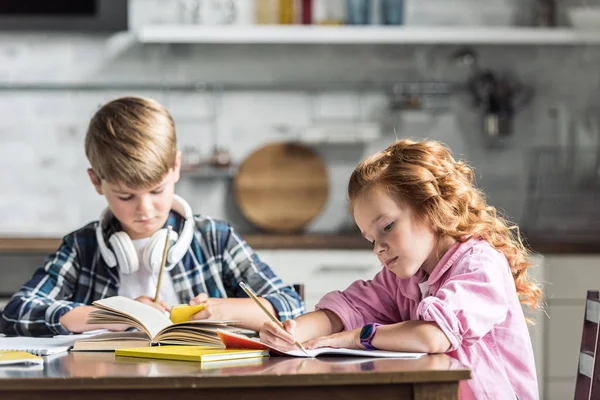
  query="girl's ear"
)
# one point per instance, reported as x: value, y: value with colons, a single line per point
x: 97, y: 182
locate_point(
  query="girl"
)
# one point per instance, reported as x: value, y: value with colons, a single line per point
x: 453, y: 279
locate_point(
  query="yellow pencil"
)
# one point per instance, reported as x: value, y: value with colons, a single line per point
x: 250, y: 293
x: 162, y: 264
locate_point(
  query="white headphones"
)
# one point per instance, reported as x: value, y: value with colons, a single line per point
x: 124, y: 254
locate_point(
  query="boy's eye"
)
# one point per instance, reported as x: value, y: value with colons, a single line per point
x: 159, y: 191
x: 388, y: 227
x: 125, y: 198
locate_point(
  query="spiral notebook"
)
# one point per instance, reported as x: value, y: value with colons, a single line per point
x: 46, y: 346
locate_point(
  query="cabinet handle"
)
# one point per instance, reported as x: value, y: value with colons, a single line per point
x: 344, y: 268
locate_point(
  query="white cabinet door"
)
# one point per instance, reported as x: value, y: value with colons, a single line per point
x: 322, y: 271
x: 536, y: 330
x: 568, y: 277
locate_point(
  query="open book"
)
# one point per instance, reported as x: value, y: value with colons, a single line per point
x: 154, y: 327
x: 234, y: 340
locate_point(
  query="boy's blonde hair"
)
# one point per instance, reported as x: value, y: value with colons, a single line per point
x: 426, y: 176
x: 132, y: 141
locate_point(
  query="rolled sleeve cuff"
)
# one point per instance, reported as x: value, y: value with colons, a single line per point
x: 55, y: 312
x: 337, y: 304
x: 432, y: 309
x: 285, y: 308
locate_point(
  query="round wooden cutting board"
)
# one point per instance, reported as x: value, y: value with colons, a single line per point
x: 281, y: 187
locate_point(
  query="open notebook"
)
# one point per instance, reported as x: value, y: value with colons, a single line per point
x: 154, y: 327
x: 46, y: 346
x: 234, y: 340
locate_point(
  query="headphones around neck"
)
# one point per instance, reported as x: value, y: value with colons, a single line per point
x: 124, y: 254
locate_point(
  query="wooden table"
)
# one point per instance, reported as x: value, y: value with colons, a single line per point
x: 91, y: 376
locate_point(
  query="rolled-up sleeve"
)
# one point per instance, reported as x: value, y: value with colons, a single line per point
x: 35, y: 310
x: 364, y: 301
x: 470, y: 303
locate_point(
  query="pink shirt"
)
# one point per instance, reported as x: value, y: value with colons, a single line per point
x: 472, y: 298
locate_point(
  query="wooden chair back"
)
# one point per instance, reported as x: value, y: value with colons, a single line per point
x: 587, y: 386
x: 299, y: 288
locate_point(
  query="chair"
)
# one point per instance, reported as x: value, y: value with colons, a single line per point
x: 587, y: 386
x: 299, y: 288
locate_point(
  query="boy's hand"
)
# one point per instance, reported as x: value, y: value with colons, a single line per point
x: 273, y: 335
x: 160, y: 305
x: 75, y: 321
x: 216, y: 309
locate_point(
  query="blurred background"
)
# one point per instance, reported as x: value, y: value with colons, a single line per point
x: 510, y: 85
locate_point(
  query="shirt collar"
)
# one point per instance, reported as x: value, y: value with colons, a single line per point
x: 409, y: 287
x: 455, y: 252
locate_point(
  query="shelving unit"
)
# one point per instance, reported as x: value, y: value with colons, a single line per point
x: 299, y: 34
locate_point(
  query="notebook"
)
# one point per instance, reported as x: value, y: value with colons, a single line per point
x: 192, y: 353
x: 46, y: 346
x: 19, y: 358
x: 235, y: 340
x: 154, y: 327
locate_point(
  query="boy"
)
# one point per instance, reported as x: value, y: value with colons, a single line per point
x: 132, y: 148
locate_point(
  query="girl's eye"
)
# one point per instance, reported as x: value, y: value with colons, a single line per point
x: 388, y: 227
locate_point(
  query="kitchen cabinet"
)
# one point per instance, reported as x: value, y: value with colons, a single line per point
x: 321, y: 271
x: 568, y: 277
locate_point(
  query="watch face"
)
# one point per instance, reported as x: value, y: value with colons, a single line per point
x: 365, y: 332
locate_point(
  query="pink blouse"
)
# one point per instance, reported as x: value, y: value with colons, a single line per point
x: 472, y: 298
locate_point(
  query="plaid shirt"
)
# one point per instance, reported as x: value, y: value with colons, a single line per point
x: 217, y: 261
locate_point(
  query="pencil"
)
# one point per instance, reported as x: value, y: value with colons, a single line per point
x: 162, y: 264
x: 250, y: 293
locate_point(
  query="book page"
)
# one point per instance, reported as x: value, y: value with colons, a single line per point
x: 353, y: 352
x: 149, y: 318
x: 200, y: 332
x: 42, y: 346
x: 233, y: 340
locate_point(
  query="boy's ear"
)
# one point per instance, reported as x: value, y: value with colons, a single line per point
x: 95, y: 181
x: 177, y: 167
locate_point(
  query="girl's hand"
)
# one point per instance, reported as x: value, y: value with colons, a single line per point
x: 283, y: 339
x: 216, y: 309
x: 160, y: 305
x: 345, y: 339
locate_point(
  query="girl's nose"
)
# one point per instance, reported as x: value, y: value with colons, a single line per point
x: 379, y: 248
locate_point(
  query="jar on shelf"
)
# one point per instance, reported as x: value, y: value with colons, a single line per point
x: 358, y: 12
x: 392, y: 12
x: 267, y: 12
x: 329, y: 12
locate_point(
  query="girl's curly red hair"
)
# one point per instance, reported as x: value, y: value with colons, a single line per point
x: 426, y: 176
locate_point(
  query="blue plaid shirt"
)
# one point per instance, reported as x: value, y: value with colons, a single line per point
x: 217, y: 261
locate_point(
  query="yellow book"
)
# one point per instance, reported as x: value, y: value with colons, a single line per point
x: 191, y: 353
x: 19, y: 358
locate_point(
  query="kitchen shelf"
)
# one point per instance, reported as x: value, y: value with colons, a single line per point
x: 310, y: 34
x: 15, y: 245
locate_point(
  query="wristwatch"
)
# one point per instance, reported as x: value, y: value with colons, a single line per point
x: 366, y: 335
